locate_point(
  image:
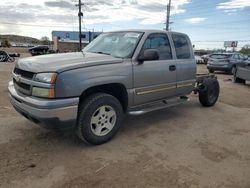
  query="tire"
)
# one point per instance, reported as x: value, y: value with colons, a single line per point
x: 238, y: 80
x: 210, y: 71
x: 99, y: 118
x: 209, y: 92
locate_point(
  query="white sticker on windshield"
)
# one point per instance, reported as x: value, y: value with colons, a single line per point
x: 130, y: 34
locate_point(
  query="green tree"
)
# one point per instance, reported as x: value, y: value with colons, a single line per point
x: 45, y: 40
x: 5, y: 43
x: 245, y: 49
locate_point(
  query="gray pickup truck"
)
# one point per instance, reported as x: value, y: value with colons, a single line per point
x: 123, y: 72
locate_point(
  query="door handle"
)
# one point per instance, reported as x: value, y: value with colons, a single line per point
x: 172, y: 67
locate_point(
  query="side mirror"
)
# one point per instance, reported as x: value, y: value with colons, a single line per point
x: 148, y: 55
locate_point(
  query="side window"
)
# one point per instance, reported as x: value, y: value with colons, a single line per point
x: 161, y: 43
x: 181, y: 45
x: 241, y: 57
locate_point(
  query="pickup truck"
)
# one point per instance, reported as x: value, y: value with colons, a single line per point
x: 122, y: 72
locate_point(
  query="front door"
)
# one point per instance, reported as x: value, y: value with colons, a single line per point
x: 155, y: 80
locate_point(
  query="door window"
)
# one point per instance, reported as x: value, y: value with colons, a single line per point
x: 159, y: 42
x: 181, y: 45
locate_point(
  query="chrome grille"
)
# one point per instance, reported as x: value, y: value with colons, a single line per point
x: 23, y: 73
x: 19, y: 77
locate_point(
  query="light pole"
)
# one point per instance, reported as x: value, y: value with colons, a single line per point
x: 168, y: 15
x: 80, y: 14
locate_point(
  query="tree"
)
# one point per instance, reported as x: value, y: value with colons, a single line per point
x: 5, y: 43
x: 245, y: 49
x: 45, y: 40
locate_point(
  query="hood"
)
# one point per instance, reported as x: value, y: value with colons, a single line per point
x: 64, y: 61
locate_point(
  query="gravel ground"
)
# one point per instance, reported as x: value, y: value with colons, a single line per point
x: 183, y: 146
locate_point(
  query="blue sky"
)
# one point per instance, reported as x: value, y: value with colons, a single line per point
x: 208, y: 23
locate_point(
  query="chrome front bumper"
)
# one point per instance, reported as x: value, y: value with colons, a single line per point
x: 47, y: 111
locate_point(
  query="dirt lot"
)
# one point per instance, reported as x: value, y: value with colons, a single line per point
x: 183, y: 146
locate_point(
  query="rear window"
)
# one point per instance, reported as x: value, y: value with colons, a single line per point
x: 181, y: 45
x: 220, y: 56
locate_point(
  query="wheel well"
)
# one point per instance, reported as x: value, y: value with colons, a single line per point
x: 117, y: 90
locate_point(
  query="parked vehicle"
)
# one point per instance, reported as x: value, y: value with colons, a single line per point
x: 242, y: 72
x: 5, y: 57
x: 205, y: 58
x: 14, y: 55
x: 224, y: 62
x: 40, y: 50
x: 133, y: 72
x: 198, y: 59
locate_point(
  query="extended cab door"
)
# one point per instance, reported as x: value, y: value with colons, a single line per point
x: 185, y: 64
x: 154, y: 80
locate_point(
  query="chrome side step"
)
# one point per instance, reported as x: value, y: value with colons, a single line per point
x: 139, y: 110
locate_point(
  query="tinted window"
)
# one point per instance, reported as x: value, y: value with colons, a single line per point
x: 181, y: 46
x: 161, y: 43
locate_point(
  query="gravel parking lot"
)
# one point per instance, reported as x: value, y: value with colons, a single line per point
x: 182, y: 146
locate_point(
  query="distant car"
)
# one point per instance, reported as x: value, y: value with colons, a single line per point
x: 242, y: 72
x: 198, y: 59
x: 39, y: 50
x: 205, y: 58
x: 224, y: 62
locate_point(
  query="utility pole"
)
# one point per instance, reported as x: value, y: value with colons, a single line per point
x: 80, y: 14
x: 168, y: 15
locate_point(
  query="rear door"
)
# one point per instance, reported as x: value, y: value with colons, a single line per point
x: 154, y: 80
x: 185, y: 64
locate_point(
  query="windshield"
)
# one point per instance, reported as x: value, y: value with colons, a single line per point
x: 117, y: 44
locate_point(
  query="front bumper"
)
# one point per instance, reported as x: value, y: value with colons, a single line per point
x: 50, y: 113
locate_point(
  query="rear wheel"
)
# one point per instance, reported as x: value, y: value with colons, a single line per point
x: 99, y: 118
x: 209, y: 92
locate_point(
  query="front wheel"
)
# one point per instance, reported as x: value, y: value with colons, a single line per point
x: 209, y: 92
x: 99, y: 118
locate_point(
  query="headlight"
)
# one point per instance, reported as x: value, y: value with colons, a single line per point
x: 43, y: 92
x: 46, y: 77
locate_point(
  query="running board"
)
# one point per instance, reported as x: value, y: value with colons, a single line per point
x: 158, y: 105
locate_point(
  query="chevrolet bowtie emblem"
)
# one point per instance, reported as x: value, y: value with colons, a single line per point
x: 18, y: 78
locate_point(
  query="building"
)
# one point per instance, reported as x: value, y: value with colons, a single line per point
x: 68, y: 41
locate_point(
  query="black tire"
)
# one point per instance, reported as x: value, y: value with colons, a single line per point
x: 209, y: 92
x: 86, y: 112
x: 210, y: 71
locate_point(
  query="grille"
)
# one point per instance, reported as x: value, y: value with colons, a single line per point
x: 22, y: 85
x: 23, y: 73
